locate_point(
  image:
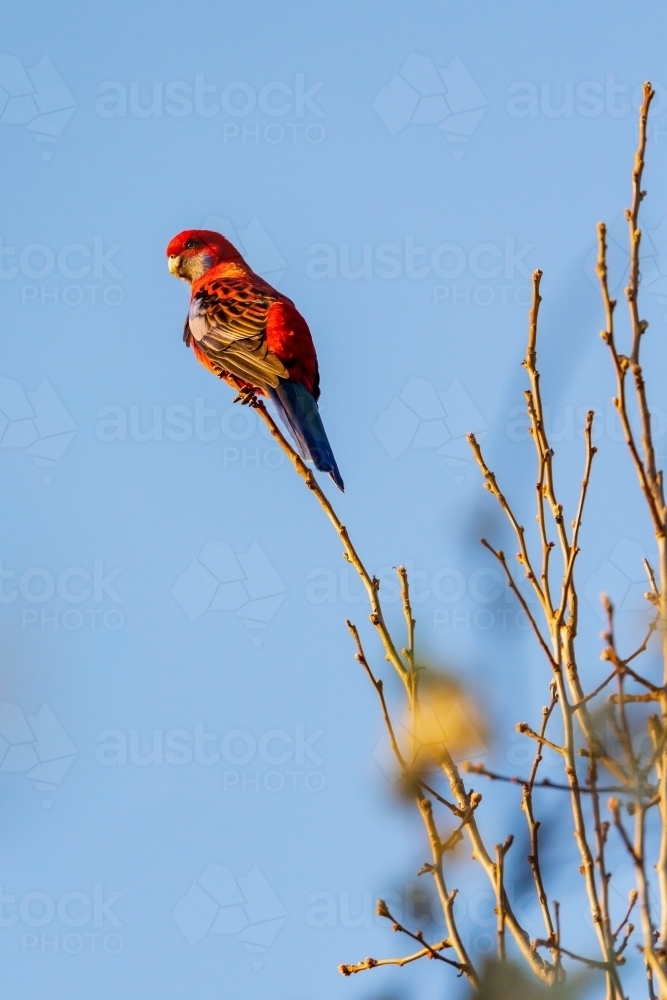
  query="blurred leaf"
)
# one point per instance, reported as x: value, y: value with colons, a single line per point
x: 506, y: 981
x: 446, y: 718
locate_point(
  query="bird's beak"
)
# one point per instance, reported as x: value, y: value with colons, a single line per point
x: 175, y: 265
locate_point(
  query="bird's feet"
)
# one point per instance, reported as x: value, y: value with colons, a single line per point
x: 246, y: 396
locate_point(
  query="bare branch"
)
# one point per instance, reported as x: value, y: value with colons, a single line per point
x: 430, y: 951
x: 360, y: 656
x: 523, y: 727
x: 576, y: 524
x: 372, y: 584
x: 474, y: 768
x: 409, y: 651
x: 492, y: 486
x: 500, y: 556
x: 533, y: 824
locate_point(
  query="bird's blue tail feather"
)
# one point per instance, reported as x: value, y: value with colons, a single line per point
x: 298, y: 411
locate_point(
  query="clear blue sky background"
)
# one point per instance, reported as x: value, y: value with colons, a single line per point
x: 307, y: 174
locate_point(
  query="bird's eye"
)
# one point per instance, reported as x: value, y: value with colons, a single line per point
x: 191, y: 244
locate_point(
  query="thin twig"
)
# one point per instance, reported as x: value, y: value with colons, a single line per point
x: 590, y: 962
x: 491, y: 485
x: 475, y: 768
x: 524, y: 728
x: 539, y: 967
x: 589, y: 697
x: 632, y: 902
x: 500, y: 556
x: 373, y: 963
x: 534, y: 825
x: 372, y: 584
x: 576, y: 524
x: 501, y: 851
x: 360, y: 656
x: 409, y: 651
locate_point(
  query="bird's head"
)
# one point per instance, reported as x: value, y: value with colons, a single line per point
x: 194, y: 251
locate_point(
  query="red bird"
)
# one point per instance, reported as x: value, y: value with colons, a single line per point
x: 252, y: 336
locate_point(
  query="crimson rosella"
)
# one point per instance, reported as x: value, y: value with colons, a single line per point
x: 252, y: 336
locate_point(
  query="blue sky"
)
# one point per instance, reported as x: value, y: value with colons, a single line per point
x: 129, y: 480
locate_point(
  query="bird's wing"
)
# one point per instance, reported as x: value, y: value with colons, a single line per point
x: 288, y: 337
x: 227, y: 320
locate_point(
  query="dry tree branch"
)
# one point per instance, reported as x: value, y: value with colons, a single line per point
x: 513, y: 779
x: 408, y: 675
x: 632, y: 902
x: 491, y: 485
x: 360, y: 656
x: 611, y: 654
x: 533, y: 824
x: 539, y: 967
x: 425, y: 809
x: 556, y: 637
x: 446, y: 898
x: 501, y: 851
x: 589, y: 697
x: 621, y: 363
x: 616, y: 699
x: 561, y: 656
x: 524, y: 728
x: 643, y: 680
x: 372, y: 584
x: 438, y: 797
x: 655, y: 593
x: 590, y: 962
x: 576, y: 524
x: 383, y: 911
x: 428, y: 951
x: 373, y: 963
x: 547, y: 545
x: 409, y: 651
x: 650, y: 479
x: 601, y: 834
x: 536, y: 413
x: 636, y: 852
x: 644, y: 646
x: 500, y: 556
